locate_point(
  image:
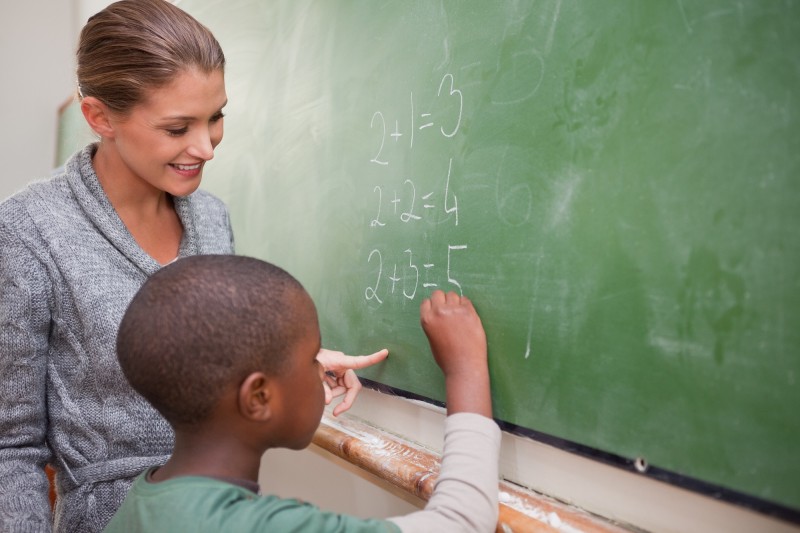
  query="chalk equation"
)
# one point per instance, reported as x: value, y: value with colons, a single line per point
x: 411, y: 200
x: 408, y: 203
x: 418, y: 121
x: 406, y: 280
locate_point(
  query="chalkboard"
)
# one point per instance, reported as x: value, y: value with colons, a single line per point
x: 73, y: 131
x: 616, y: 185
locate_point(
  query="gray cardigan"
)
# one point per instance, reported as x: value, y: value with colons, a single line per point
x: 68, y: 268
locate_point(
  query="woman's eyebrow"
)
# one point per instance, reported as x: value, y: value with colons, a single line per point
x: 189, y: 117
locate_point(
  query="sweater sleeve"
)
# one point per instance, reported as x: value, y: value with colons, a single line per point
x: 24, y: 327
x: 466, y: 496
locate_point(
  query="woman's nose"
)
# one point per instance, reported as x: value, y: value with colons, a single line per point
x: 201, y: 145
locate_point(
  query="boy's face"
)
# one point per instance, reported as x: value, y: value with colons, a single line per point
x: 301, y: 390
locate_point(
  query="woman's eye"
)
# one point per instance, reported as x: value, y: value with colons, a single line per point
x: 177, y: 132
x: 217, y: 117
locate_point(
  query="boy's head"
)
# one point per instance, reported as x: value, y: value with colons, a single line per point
x: 226, y: 336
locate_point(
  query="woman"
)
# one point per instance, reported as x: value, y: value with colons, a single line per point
x: 75, y: 249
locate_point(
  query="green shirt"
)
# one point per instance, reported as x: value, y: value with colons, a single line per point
x: 201, y: 504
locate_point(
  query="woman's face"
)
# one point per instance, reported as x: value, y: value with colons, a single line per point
x: 165, y: 140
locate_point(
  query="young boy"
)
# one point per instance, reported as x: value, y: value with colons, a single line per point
x: 224, y: 347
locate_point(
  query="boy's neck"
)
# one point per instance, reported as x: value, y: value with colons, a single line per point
x: 212, y: 455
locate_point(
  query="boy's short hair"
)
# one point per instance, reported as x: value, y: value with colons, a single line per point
x: 204, y: 323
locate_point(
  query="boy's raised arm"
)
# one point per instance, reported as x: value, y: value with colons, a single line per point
x: 465, y: 497
x: 458, y: 343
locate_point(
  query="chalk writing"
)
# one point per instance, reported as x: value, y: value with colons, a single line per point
x: 404, y: 279
x: 416, y: 200
x: 404, y: 199
x: 447, y: 95
x: 379, y: 115
x: 453, y: 92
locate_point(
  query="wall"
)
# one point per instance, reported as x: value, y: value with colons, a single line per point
x: 36, y: 54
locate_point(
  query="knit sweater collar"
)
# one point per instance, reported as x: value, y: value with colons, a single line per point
x: 93, y: 201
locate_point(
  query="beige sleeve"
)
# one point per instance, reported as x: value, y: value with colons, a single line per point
x: 465, y: 496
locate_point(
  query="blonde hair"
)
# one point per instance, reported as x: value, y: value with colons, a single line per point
x: 135, y: 45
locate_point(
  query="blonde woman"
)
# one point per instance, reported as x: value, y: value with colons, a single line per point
x: 75, y: 249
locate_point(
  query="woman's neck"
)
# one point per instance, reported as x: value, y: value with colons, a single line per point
x: 124, y: 189
x: 148, y: 212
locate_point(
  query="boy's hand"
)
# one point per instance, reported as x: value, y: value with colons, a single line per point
x: 458, y: 343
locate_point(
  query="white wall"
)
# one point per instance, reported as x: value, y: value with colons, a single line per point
x: 37, y: 39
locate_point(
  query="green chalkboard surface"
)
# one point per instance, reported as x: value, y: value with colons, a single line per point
x: 616, y: 185
x: 73, y: 132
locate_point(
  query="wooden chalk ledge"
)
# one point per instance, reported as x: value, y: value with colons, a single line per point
x: 415, y: 469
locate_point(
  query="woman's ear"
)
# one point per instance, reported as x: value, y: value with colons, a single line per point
x: 255, y: 397
x: 97, y: 115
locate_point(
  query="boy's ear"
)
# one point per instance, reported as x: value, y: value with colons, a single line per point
x: 255, y: 397
x: 97, y: 115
